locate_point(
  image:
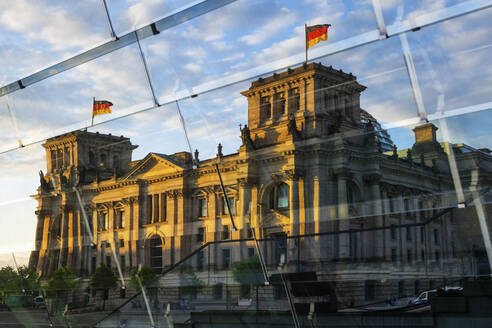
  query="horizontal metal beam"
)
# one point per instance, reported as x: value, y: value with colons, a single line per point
x: 177, y: 17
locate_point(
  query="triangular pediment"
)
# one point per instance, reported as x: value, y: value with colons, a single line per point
x: 154, y: 165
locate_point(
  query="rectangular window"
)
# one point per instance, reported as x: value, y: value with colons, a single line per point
x: 251, y: 251
x: 409, y: 256
x: 93, y: 264
x: 218, y: 292
x: 202, y: 207
x: 122, y: 219
x: 231, y: 205
x: 201, y: 235
x: 108, y: 261
x: 226, y: 258
x: 401, y: 288
x: 156, y: 208
x: 163, y: 207
x: 265, y: 108
x: 406, y: 205
x: 393, y: 232
x: 408, y: 233
x: 438, y: 256
x: 353, y: 244
x: 200, y: 260
x: 369, y: 290
x: 123, y: 262
x: 226, y: 234
x: 422, y: 236
x: 436, y: 236
x: 122, y: 243
x: 391, y: 205
x: 148, y: 219
x: 294, y: 100
x: 422, y: 255
x: 393, y: 255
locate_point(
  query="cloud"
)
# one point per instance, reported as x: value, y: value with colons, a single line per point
x: 282, y: 20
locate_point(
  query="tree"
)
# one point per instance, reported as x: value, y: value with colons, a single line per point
x: 103, y: 279
x: 60, y: 286
x: 249, y: 272
x: 191, y: 285
x: 146, y: 275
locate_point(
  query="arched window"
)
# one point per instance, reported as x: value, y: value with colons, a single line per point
x: 279, y: 197
x: 156, y: 254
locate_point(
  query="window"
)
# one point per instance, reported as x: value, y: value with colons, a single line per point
x: 406, y: 204
x: 422, y: 236
x: 436, y: 236
x: 226, y: 258
x: 202, y: 207
x: 251, y: 251
x: 218, y: 292
x: 201, y: 235
x: 278, y: 104
x: 353, y: 244
x: 393, y: 232
x: 200, y: 260
x: 226, y: 234
x: 391, y: 205
x: 92, y: 158
x: 294, y: 100
x: 409, y: 256
x: 422, y: 255
x: 416, y: 287
x: 120, y: 217
x: 438, y: 256
x: 156, y: 254
x: 265, y: 108
x: 102, y: 160
x: 59, y: 158
x: 231, y: 205
x: 155, y: 217
x: 279, y: 197
x: 393, y: 255
x: 93, y: 264
x: 103, y: 221
x: 122, y: 243
x: 148, y: 219
x: 108, y: 261
x: 116, y: 162
x: 369, y: 290
x: 408, y: 233
x: 401, y: 288
x: 163, y: 207
x: 123, y: 262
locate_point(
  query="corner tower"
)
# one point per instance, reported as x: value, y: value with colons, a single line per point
x: 318, y: 99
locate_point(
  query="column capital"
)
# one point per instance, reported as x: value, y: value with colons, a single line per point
x: 41, y: 213
x: 343, y: 173
x: 293, y: 174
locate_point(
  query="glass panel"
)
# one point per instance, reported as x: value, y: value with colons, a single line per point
x: 38, y: 34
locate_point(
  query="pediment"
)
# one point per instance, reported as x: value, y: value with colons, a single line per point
x: 275, y: 219
x: 154, y: 165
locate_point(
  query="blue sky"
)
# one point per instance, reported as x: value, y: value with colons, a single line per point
x: 452, y: 60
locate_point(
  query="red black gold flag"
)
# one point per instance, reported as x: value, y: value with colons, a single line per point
x: 316, y: 34
x: 100, y: 107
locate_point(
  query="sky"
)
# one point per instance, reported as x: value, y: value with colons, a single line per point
x: 452, y: 61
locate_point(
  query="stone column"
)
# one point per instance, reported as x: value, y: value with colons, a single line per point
x: 134, y: 219
x: 64, y: 236
x: 377, y: 238
x: 71, y: 241
x: 294, y: 216
x: 343, y: 213
x: 243, y: 213
x: 179, y: 241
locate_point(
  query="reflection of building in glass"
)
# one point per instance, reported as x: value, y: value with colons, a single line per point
x: 312, y: 162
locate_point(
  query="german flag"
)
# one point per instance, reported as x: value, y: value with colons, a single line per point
x: 316, y: 34
x: 100, y: 107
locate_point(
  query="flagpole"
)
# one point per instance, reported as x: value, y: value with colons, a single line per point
x: 93, y: 102
x: 305, y: 41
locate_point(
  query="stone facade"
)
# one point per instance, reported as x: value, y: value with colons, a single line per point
x: 308, y: 166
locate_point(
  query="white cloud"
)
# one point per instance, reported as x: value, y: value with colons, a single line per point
x: 277, y: 23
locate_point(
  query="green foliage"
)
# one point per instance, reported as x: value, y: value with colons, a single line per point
x: 249, y: 272
x: 191, y: 285
x: 104, y: 278
x: 64, y: 279
x: 15, y: 282
x: 146, y: 275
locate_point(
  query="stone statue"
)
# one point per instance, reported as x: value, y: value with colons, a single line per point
x: 42, y: 181
x: 246, y: 137
x: 219, y: 150
x: 292, y: 127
